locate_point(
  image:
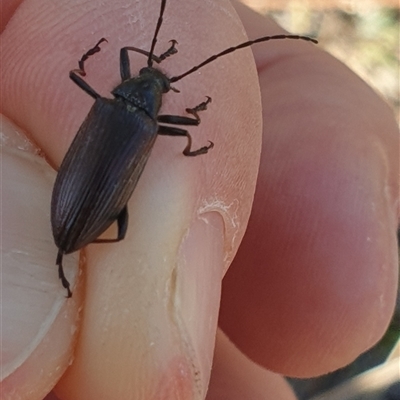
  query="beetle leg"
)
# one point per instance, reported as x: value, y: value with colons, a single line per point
x: 95, y: 49
x: 201, y: 107
x: 177, y: 120
x: 172, y: 50
x: 83, y: 85
x: 122, y: 222
x: 171, y: 131
x: 81, y: 70
x: 124, y: 64
x: 61, y: 274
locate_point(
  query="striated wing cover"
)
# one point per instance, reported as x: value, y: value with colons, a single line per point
x: 100, y: 172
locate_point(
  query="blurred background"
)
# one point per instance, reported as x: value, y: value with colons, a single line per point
x: 364, y: 35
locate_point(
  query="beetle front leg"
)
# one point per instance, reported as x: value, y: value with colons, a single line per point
x: 122, y: 221
x: 81, y: 70
x: 170, y: 131
x: 172, y: 50
x: 124, y: 64
x: 95, y: 49
x: 83, y: 85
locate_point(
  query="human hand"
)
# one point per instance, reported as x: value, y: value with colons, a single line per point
x: 143, y: 309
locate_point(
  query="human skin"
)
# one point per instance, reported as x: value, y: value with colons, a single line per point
x: 314, y: 282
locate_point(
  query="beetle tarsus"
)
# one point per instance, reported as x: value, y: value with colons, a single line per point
x: 201, y: 107
x: 203, y: 150
x: 61, y: 274
x: 95, y: 49
x: 172, y: 50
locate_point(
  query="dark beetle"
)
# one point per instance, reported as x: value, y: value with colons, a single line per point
x: 107, y: 156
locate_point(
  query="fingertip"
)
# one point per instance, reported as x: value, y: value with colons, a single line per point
x: 235, y: 377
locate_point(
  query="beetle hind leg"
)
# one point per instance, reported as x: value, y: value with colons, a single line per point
x: 122, y: 221
x: 171, y: 131
x: 61, y: 274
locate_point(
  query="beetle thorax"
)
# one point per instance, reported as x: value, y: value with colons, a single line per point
x: 144, y: 91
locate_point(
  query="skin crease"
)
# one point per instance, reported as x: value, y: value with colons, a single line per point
x: 319, y: 292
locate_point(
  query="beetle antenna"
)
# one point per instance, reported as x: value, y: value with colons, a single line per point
x: 153, y: 43
x: 240, y: 46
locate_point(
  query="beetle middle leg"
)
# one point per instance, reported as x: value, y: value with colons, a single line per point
x: 122, y: 221
x: 179, y: 120
x: 201, y: 107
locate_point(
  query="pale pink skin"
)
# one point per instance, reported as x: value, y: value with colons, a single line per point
x: 314, y: 282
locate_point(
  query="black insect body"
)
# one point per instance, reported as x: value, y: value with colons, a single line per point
x: 105, y: 160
